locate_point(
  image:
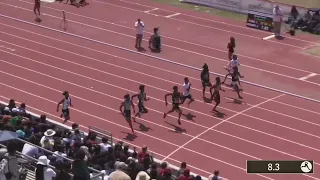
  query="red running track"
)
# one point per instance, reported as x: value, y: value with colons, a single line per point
x: 38, y: 64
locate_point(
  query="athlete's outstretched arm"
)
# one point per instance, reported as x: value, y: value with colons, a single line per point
x: 71, y: 102
x: 166, y: 97
x: 59, y: 103
x: 146, y: 98
x: 132, y: 105
x: 133, y: 96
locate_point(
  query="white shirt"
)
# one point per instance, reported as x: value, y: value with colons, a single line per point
x: 49, y: 174
x: 186, y: 88
x: 277, y: 14
x: 139, y: 27
x: 30, y: 150
x: 58, y: 158
x: 104, y: 147
x: 66, y: 103
x: 233, y: 63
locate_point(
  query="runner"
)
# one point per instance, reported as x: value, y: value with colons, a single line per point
x: 205, y: 78
x: 126, y: 105
x: 36, y: 9
x: 142, y: 97
x: 216, y: 92
x: 231, y: 46
x: 66, y: 102
x: 235, y: 80
x: 234, y: 63
x: 186, y: 93
x: 176, y: 101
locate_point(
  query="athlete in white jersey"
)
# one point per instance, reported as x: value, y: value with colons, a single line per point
x: 66, y: 103
x: 231, y: 66
x: 127, y: 105
x: 186, y: 92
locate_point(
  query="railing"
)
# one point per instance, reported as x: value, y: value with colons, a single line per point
x: 102, y: 133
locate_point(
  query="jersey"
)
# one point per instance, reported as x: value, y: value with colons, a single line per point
x: 141, y: 98
x: 205, y: 76
x: 186, y: 87
x: 66, y: 103
x: 217, y: 88
x: 127, y: 105
x: 176, y: 97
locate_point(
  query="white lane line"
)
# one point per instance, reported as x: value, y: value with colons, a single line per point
x: 308, y: 76
x: 269, y: 37
x: 172, y: 15
x: 151, y: 10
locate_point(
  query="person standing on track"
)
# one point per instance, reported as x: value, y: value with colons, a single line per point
x: 66, y: 102
x: 233, y: 64
x: 176, y: 101
x: 142, y: 97
x: 205, y: 79
x: 231, y: 46
x: 140, y: 28
x: 186, y: 93
x: 127, y: 104
x: 215, y: 95
x: 36, y: 9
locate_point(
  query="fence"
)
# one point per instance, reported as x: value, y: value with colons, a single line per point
x: 102, y: 133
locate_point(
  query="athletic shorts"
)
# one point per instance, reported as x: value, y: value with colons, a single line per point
x: 206, y: 83
x: 187, y: 97
x: 66, y: 113
x: 127, y: 114
x: 176, y: 106
x: 142, y: 109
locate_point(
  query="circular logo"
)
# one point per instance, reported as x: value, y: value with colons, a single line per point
x: 306, y: 166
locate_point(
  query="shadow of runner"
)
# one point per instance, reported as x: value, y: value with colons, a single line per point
x: 189, y: 116
x: 235, y: 101
x: 177, y: 129
x: 143, y: 128
x: 130, y: 136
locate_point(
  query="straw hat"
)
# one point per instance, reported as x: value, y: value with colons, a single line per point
x: 49, y: 132
x: 43, y: 160
x: 142, y: 176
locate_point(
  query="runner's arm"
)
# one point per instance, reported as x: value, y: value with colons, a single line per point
x: 134, y: 110
x: 133, y: 96
x: 166, y: 96
x: 60, y: 102
x: 71, y: 105
x: 121, y: 106
x: 146, y: 98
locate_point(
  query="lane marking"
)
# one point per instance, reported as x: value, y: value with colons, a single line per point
x: 308, y: 76
x: 151, y: 10
x: 172, y: 15
x: 7, y: 48
x: 269, y: 37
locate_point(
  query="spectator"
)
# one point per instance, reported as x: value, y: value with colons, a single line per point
x: 9, y: 164
x: 142, y: 154
x: 164, y: 169
x: 153, y: 171
x: 294, y: 12
x: 139, y: 28
x: 277, y: 20
x: 215, y: 176
x: 22, y: 108
x: 120, y: 173
x: 43, y: 172
x: 12, y: 104
x: 30, y: 150
x: 183, y: 166
x: 185, y: 175
x: 14, y: 118
x: 142, y: 175
x: 48, y: 137
x: 60, y: 153
x: 63, y: 168
x: 79, y: 167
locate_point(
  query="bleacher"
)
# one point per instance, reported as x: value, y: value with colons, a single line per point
x: 98, y: 132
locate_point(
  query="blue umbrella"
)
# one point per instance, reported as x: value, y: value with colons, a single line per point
x: 8, y: 135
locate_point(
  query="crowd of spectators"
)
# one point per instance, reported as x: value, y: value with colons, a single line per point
x: 116, y: 162
x: 310, y: 21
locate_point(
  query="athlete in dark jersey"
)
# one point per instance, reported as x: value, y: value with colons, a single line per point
x: 235, y: 80
x: 142, y: 97
x: 215, y: 95
x: 231, y: 46
x: 176, y: 101
x: 36, y: 9
x: 205, y: 79
x: 127, y: 105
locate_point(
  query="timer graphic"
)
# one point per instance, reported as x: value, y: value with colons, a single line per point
x: 280, y: 167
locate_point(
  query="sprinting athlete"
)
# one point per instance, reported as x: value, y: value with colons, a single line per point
x: 215, y: 95
x: 66, y: 102
x: 205, y: 79
x: 186, y: 92
x: 127, y: 105
x: 233, y: 64
x: 36, y: 9
x: 231, y: 46
x: 176, y: 101
x: 235, y: 81
x: 142, y: 97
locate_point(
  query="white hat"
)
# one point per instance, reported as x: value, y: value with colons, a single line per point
x: 142, y: 176
x: 6, y: 109
x: 50, y: 132
x: 15, y: 110
x: 43, y: 160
